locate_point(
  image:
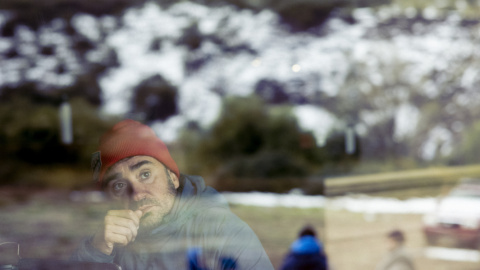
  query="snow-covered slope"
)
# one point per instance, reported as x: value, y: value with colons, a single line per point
x: 395, y: 56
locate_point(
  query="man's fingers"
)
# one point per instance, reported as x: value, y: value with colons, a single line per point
x: 139, y: 214
x: 128, y: 214
x: 135, y: 216
x: 117, y: 239
x: 121, y: 226
x: 127, y: 232
x: 121, y: 222
x: 121, y: 217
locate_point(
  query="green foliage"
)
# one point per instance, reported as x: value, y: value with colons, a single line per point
x: 88, y: 126
x: 467, y: 152
x: 238, y: 133
x: 26, y: 128
x: 380, y: 142
x: 31, y: 131
x: 30, y: 140
x: 270, y: 164
x: 252, y: 141
x: 334, y: 152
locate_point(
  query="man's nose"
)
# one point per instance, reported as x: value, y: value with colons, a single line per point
x: 136, y: 191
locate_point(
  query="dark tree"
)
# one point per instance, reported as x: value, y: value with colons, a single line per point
x: 155, y: 99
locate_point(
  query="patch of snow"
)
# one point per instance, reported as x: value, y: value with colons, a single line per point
x: 359, y: 204
x: 315, y: 119
x: 406, y: 120
x: 439, y: 142
x: 275, y: 200
x: 169, y: 129
x: 87, y: 25
x: 379, y: 205
x: 452, y: 254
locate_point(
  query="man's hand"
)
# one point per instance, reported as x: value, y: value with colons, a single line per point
x: 120, y: 228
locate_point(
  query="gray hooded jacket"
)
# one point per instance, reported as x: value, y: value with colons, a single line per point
x: 200, y: 220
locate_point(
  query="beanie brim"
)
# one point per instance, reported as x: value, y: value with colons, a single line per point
x: 129, y: 138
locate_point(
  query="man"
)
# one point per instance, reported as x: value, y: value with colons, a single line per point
x: 397, y: 258
x: 162, y: 215
x: 306, y: 252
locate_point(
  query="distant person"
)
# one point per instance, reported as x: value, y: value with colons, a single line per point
x: 397, y: 258
x: 306, y: 253
x: 159, y: 215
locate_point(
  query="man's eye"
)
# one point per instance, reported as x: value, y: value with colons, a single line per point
x: 145, y: 175
x: 118, y: 188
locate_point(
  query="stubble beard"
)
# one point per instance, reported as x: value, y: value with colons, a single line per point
x: 154, y: 218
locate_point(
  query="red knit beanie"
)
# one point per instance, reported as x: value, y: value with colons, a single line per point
x: 129, y: 138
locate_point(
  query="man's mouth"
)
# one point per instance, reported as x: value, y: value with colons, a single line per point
x: 145, y: 208
x: 143, y: 205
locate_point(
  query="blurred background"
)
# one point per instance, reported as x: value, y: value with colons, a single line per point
x: 321, y: 102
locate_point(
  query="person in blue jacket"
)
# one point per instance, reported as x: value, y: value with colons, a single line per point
x: 159, y: 215
x: 306, y: 253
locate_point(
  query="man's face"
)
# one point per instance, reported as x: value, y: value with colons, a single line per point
x: 143, y: 183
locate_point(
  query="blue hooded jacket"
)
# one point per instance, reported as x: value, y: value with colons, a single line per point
x: 200, y: 219
x: 306, y: 253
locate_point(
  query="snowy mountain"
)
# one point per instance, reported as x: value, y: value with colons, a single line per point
x: 386, y: 65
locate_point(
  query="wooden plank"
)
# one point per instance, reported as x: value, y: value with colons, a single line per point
x: 399, y: 180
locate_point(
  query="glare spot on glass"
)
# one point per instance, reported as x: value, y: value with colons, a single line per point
x: 296, y: 68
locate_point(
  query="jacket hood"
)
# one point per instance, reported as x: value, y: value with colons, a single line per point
x: 306, y: 245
